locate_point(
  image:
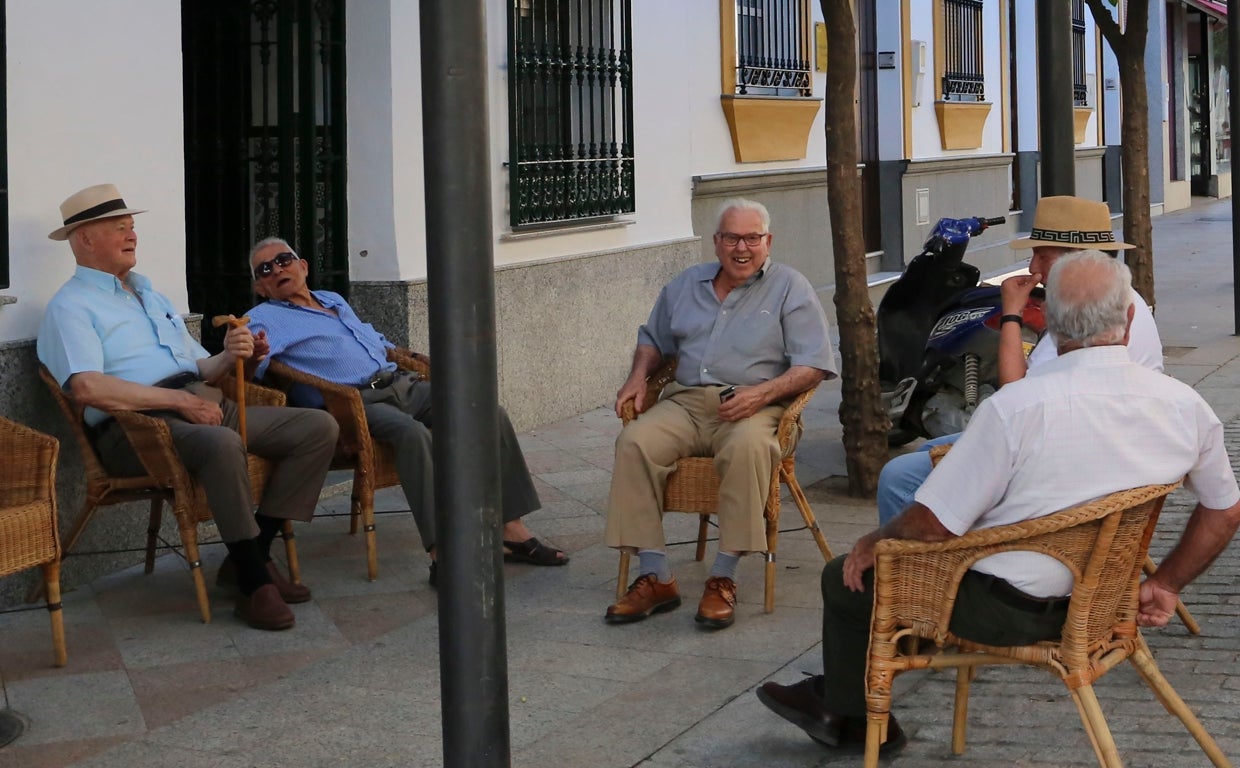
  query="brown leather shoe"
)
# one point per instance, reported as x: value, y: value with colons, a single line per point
x: 290, y: 592
x: 718, y: 604
x: 646, y: 595
x: 264, y: 609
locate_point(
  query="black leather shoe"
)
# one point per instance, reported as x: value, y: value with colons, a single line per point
x: 434, y: 578
x: 801, y: 705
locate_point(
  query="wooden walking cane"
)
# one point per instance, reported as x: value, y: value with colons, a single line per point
x: 290, y: 550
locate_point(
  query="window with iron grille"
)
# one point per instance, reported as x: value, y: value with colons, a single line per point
x: 962, y: 46
x: 773, y: 48
x: 4, y: 157
x: 1079, y: 92
x: 570, y: 110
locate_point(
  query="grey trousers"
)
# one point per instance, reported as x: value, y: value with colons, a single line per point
x: 978, y: 616
x: 299, y: 441
x: 399, y: 415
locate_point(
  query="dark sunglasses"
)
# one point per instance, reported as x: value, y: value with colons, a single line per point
x: 281, y: 260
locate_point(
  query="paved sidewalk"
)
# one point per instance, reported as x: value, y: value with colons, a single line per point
x: 356, y: 683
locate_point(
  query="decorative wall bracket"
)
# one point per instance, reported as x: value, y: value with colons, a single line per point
x: 961, y: 123
x: 767, y: 128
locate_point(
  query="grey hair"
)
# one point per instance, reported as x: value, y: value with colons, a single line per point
x: 743, y: 204
x: 1087, y: 298
x: 261, y: 244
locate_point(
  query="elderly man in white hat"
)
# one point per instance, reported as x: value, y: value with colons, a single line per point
x: 115, y: 343
x: 1061, y: 224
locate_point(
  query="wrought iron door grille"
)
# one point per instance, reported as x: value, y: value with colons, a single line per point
x: 570, y: 110
x: 4, y: 154
x: 962, y: 37
x: 265, y: 143
x: 1079, y: 91
x: 773, y: 48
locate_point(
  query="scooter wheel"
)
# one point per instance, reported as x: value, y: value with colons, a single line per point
x: 899, y: 437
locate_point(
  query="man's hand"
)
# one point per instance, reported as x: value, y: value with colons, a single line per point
x: 239, y: 342
x: 199, y: 411
x: 1015, y: 292
x: 860, y: 560
x: 743, y: 403
x: 634, y: 390
x: 1156, y: 604
x: 261, y: 347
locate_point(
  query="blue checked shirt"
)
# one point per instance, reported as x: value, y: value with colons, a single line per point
x: 94, y: 324
x: 339, y: 348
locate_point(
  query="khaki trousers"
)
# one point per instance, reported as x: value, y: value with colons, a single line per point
x: 685, y: 423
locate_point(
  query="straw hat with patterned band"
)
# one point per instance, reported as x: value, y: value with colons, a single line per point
x: 1071, y: 222
x: 102, y: 201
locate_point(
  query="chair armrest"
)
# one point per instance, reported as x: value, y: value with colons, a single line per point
x: 28, y: 472
x: 792, y: 417
x: 255, y: 394
x: 343, y: 402
x: 411, y: 361
x: 662, y: 376
x: 151, y: 440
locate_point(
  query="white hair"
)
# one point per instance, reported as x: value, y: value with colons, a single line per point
x: 743, y: 204
x: 261, y: 244
x: 1088, y: 294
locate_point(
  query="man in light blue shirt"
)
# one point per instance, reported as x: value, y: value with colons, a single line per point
x: 749, y: 335
x: 114, y: 343
x: 319, y: 333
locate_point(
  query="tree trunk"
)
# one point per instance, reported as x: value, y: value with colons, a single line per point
x: 864, y: 421
x: 1129, y: 49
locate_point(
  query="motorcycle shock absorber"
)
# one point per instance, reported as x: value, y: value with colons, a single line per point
x: 970, y: 378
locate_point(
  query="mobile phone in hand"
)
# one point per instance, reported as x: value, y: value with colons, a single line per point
x: 726, y: 393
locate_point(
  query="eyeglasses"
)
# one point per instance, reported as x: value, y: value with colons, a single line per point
x: 281, y: 260
x: 731, y: 239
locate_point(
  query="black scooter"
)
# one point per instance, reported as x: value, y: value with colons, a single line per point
x: 938, y: 336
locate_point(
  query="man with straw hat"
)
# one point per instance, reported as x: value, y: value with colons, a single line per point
x: 115, y: 343
x: 1061, y: 224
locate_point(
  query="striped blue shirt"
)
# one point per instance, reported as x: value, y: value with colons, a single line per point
x: 94, y: 324
x: 340, y: 348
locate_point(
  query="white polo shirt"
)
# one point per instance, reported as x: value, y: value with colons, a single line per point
x: 1076, y: 428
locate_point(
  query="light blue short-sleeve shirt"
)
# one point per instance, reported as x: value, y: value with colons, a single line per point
x: 93, y: 324
x: 760, y: 329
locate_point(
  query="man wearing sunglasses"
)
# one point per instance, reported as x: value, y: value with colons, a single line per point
x: 749, y: 335
x: 319, y: 333
x: 115, y: 343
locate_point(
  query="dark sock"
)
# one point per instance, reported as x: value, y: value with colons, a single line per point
x: 268, y: 527
x: 251, y: 567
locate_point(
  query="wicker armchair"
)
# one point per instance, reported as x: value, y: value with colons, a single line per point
x: 373, y: 463
x: 166, y: 480
x: 1103, y: 542
x: 693, y: 487
x: 28, y: 535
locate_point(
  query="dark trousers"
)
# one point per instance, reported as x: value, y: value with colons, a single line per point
x: 299, y: 442
x: 399, y: 415
x: 978, y: 616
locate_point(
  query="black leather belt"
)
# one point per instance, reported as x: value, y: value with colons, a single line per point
x: 178, y: 380
x: 1012, y: 597
x: 381, y: 380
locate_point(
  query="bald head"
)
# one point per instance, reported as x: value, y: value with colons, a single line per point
x: 1088, y: 297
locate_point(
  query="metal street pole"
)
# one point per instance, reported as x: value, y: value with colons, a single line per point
x: 1056, y: 140
x: 1233, y: 117
x: 473, y: 662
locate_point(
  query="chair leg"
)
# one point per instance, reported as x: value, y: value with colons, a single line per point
x: 703, y: 529
x: 189, y: 538
x: 1096, y: 726
x: 1153, y: 677
x: 787, y: 473
x: 51, y: 577
x: 875, y: 735
x: 622, y: 578
x: 38, y: 589
x: 1181, y: 610
x: 290, y: 551
x: 152, y: 532
x: 960, y: 710
x: 772, y: 546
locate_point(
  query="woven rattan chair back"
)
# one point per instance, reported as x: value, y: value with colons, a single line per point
x: 28, y: 532
x: 373, y: 463
x: 1102, y: 542
x: 693, y: 487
